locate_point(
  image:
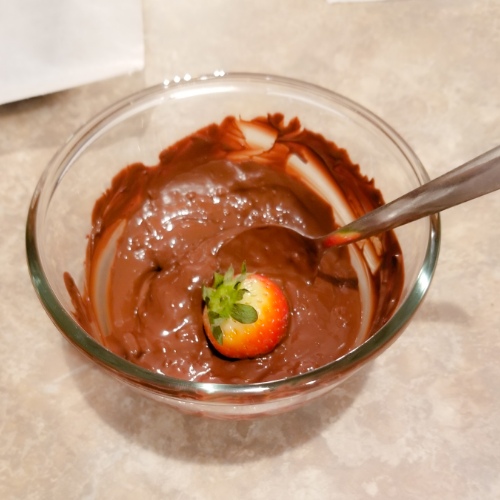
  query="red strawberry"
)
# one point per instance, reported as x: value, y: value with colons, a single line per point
x: 245, y: 315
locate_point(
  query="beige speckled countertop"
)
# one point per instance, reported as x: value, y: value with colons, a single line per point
x: 421, y: 422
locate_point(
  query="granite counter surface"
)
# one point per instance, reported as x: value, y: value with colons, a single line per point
x: 421, y: 422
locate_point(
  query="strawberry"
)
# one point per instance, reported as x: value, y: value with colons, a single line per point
x: 245, y: 315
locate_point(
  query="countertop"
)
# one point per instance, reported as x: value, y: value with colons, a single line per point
x: 420, y: 422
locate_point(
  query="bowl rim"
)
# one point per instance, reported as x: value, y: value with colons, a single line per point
x: 174, y: 387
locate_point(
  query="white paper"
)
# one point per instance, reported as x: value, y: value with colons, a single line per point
x: 51, y: 45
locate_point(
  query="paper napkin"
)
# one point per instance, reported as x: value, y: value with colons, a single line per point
x: 51, y: 45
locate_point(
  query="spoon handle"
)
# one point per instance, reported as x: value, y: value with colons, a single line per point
x: 471, y: 180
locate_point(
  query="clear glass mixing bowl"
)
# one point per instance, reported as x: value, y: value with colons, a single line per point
x: 136, y: 129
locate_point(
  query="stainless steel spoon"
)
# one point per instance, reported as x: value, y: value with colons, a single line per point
x: 473, y: 179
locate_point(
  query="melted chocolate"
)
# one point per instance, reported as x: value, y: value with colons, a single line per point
x: 170, y: 221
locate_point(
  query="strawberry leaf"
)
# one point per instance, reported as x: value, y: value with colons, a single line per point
x: 206, y: 293
x: 240, y: 294
x: 218, y: 280
x: 212, y: 316
x: 217, y: 333
x: 229, y: 274
x: 244, y: 313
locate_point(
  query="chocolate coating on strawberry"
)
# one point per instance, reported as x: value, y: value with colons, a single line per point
x: 245, y: 316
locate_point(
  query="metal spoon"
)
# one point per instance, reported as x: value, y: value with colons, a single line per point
x: 471, y: 180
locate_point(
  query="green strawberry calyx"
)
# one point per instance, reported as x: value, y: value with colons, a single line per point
x: 223, y: 301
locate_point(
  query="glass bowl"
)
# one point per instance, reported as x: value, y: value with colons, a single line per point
x: 136, y: 129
